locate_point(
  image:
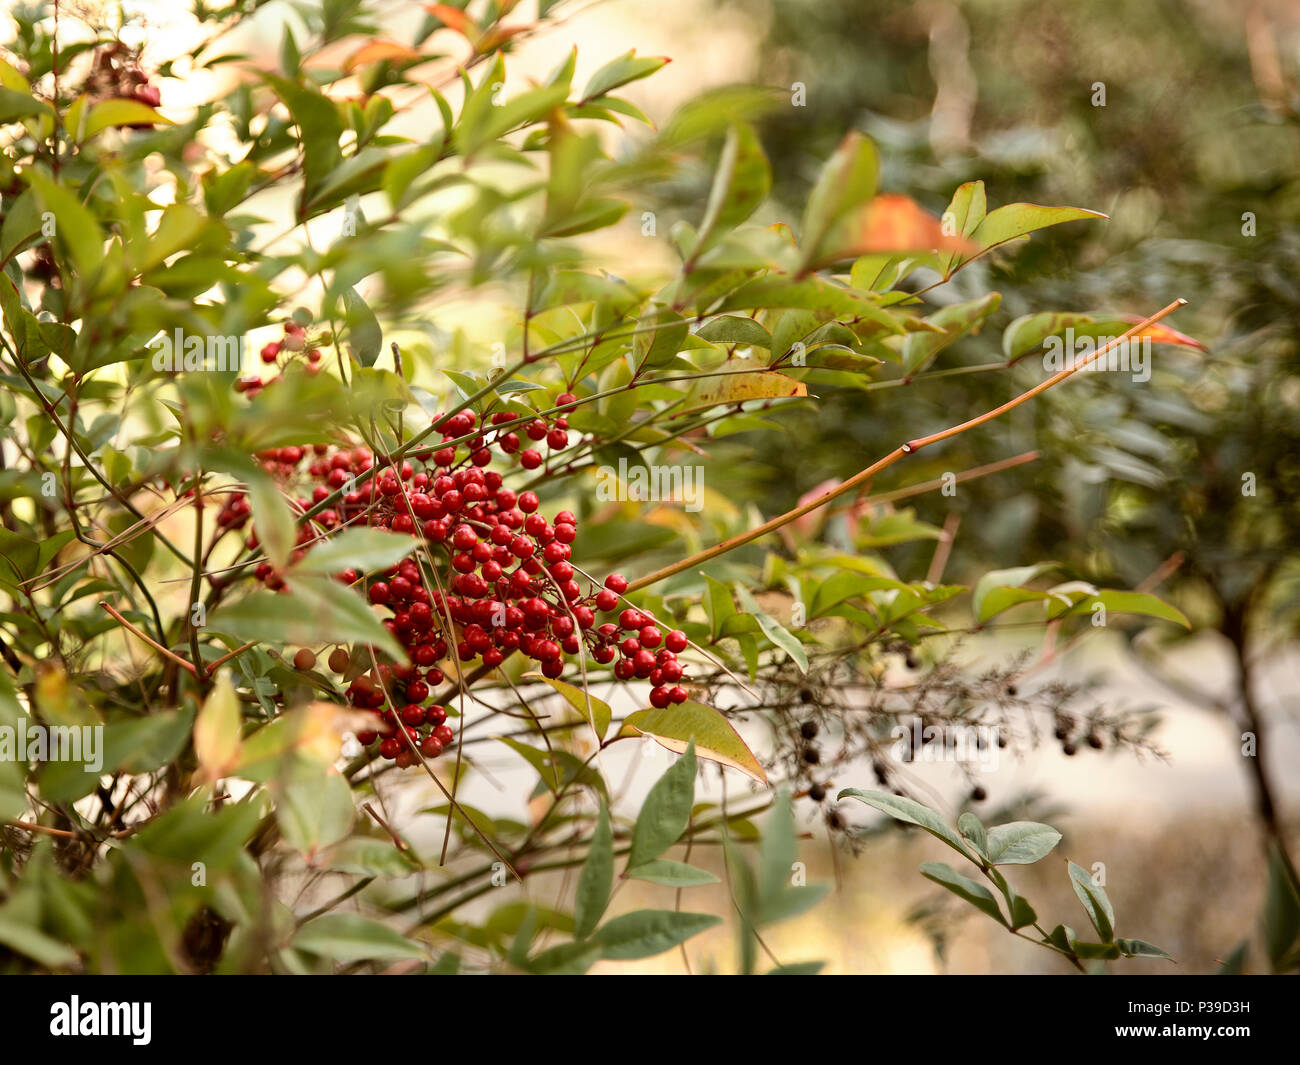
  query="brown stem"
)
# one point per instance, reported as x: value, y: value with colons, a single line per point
x: 151, y: 642
x: 894, y: 456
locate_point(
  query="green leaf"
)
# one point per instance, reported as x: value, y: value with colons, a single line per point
x: 1018, y: 219
x: 13, y: 774
x: 191, y: 832
x: 996, y: 590
x: 365, y: 550
x: 1027, y: 333
x: 660, y: 347
x: 349, y: 937
x: 596, y: 879
x: 741, y: 183
x: 313, y: 806
x: 1235, y: 963
x: 566, y: 959
x: 318, y: 611
x: 1061, y: 936
x: 596, y: 712
x: 777, y: 852
x: 272, y: 519
x: 955, y: 321
x: 148, y: 743
x: 364, y: 337
x: 665, y: 812
x: 673, y: 874
x: 21, y: 938
x: 547, y: 767
x: 718, y: 605
x: 846, y: 585
x: 1140, y: 948
x: 1094, y: 900
x: 912, y: 812
x: 967, y: 209
x: 735, y: 329
x: 1021, y: 842
x: 799, y: 968
x: 1120, y: 602
x: 973, y: 892
x: 15, y: 104
x: 320, y: 127
x: 365, y: 856
x: 1099, y: 951
x: 972, y: 828
x: 1281, y: 919
x: 675, y: 727
x: 789, y: 902
x: 626, y: 68
x: 110, y: 113
x: 778, y: 635
x: 645, y: 933
x: 75, y: 226
x: 846, y: 182
x: 1022, y: 914
x: 22, y: 222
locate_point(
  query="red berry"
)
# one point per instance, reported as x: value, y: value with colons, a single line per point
x: 676, y: 641
x: 616, y: 583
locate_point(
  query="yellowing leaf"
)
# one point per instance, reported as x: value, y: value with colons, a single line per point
x: 315, y: 731
x: 732, y: 385
x: 595, y: 711
x: 216, y: 731
x: 674, y: 727
x: 111, y: 113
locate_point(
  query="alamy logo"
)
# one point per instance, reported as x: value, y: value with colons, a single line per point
x: 191, y: 352
x: 1131, y: 356
x: 53, y: 743
x: 102, y: 1018
x: 655, y: 484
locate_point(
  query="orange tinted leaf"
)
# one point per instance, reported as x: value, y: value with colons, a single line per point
x: 497, y: 36
x: 454, y: 18
x: 1162, y: 334
x: 888, y: 223
x: 377, y: 51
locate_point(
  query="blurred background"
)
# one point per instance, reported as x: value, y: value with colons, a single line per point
x: 1179, y: 120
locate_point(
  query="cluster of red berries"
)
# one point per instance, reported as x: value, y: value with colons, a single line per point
x: 280, y: 353
x: 498, y: 576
